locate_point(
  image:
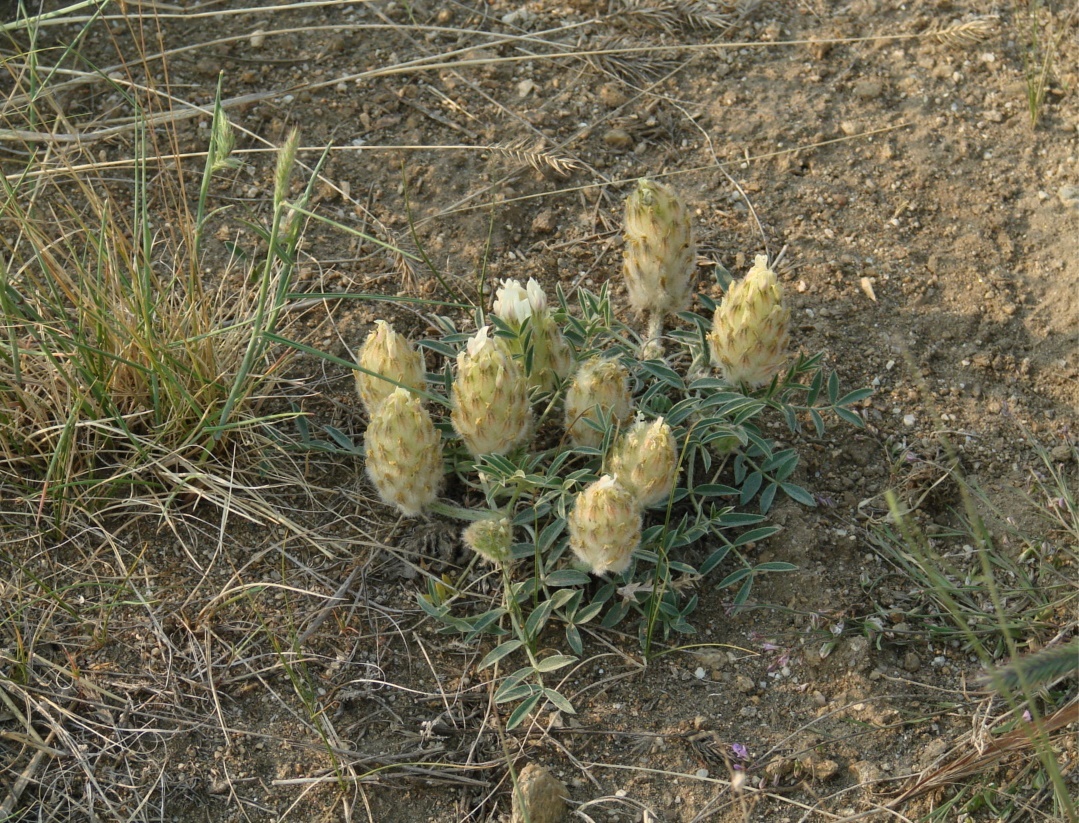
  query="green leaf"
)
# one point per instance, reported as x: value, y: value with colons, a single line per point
x: 854, y: 397
x: 554, y: 663
x: 775, y: 566
x: 714, y: 559
x: 798, y: 494
x: 731, y: 519
x: 818, y: 422
x: 566, y: 577
x: 563, y: 596
x: 767, y: 496
x: 833, y: 388
x: 664, y: 374
x: 751, y: 486
x: 743, y: 593
x: 714, y: 490
x: 851, y: 417
x: 588, y: 612
x: 500, y: 651
x: 522, y: 711
x: 548, y: 536
x: 538, y: 618
x: 559, y: 702
x: 814, y: 389
x: 734, y: 577
x: 756, y: 535
x: 573, y: 637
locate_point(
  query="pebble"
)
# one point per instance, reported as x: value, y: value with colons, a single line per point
x: 911, y: 662
x: 865, y: 772
x: 744, y: 684
x: 1061, y: 454
x: 618, y: 139
x: 542, y: 796
x: 868, y: 89
x: 1069, y: 196
x: 611, y: 95
x: 824, y: 769
x: 544, y: 222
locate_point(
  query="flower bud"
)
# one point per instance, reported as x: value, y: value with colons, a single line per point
x: 490, y: 397
x: 645, y: 461
x: 390, y: 354
x: 490, y: 539
x: 749, y: 331
x: 605, y: 526
x: 600, y: 384
x: 551, y: 358
x: 404, y: 453
x: 660, y: 254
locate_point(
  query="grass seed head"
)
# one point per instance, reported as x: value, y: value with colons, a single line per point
x: 600, y: 384
x: 491, y: 412
x: 660, y: 253
x: 404, y: 453
x: 605, y: 526
x: 392, y: 355
x: 645, y: 460
x: 490, y: 539
x: 749, y: 330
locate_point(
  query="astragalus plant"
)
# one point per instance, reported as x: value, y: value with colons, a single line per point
x: 602, y: 486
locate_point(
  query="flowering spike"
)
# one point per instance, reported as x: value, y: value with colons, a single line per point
x: 599, y: 385
x: 517, y: 305
x: 490, y: 397
x: 390, y: 354
x: 490, y: 539
x: 605, y: 526
x: 660, y: 253
x: 749, y: 334
x: 404, y: 453
x: 645, y: 460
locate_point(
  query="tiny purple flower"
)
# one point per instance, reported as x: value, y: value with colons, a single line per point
x: 740, y: 751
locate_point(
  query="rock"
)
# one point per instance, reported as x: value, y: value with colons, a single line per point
x: 1061, y: 454
x: 911, y: 662
x: 868, y: 89
x: 1069, y: 196
x: 856, y: 653
x: 823, y: 769
x: 611, y: 95
x: 865, y: 772
x: 744, y: 684
x: 544, y: 223
x: 777, y: 769
x: 618, y: 139
x: 539, y: 797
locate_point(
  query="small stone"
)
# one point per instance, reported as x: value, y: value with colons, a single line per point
x: 539, y: 797
x: 1061, y: 454
x: 911, y: 662
x: 748, y: 711
x: 823, y: 769
x: 611, y: 95
x: 618, y: 139
x: 994, y: 116
x: 777, y: 769
x: 868, y: 89
x: 544, y: 223
x: 865, y: 772
x: 744, y: 684
x: 1069, y: 196
x: 848, y: 127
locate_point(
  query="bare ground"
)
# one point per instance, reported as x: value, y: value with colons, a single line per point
x: 931, y: 253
